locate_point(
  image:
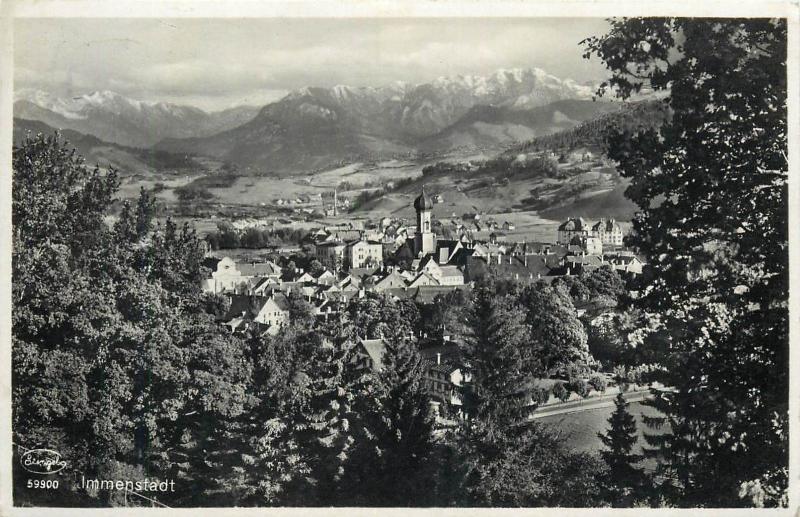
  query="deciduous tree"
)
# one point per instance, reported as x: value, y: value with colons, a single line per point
x: 711, y: 184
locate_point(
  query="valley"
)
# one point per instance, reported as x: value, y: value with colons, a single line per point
x: 518, y: 147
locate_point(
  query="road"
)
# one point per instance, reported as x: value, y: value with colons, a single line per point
x: 588, y: 404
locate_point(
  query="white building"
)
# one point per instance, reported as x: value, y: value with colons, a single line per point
x: 608, y: 231
x: 363, y: 253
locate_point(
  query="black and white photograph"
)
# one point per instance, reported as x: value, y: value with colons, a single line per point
x: 419, y: 262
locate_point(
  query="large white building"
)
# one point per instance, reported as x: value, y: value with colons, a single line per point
x: 608, y: 231
x: 363, y: 253
x: 230, y: 276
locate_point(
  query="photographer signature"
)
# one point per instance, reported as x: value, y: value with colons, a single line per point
x: 42, y: 461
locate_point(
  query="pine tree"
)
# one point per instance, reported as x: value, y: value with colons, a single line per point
x: 623, y: 482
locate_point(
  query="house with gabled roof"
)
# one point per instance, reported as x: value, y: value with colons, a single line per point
x: 369, y: 354
x: 273, y: 310
x: 608, y: 231
x: 231, y: 276
x: 392, y: 280
x: 305, y: 277
x: 423, y: 279
x: 571, y: 228
x: 325, y: 278
x: 264, y: 310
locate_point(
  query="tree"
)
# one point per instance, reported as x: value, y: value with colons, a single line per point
x: 378, y: 316
x: 501, y: 358
x: 447, y: 315
x: 315, y: 268
x: 623, y: 482
x: 524, y: 466
x: 396, y: 466
x: 604, y: 281
x: 711, y: 184
x: 557, y: 335
x: 115, y: 363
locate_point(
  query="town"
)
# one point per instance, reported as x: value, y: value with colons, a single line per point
x: 411, y: 262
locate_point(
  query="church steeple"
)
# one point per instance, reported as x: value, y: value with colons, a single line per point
x: 424, y: 240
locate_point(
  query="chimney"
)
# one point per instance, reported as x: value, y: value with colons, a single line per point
x: 438, y: 358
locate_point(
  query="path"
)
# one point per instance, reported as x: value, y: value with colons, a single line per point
x: 588, y: 404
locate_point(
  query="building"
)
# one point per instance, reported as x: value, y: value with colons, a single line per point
x: 626, y: 262
x: 572, y: 228
x: 591, y: 245
x: 445, y: 378
x: 270, y: 311
x: 392, y: 280
x: 231, y: 277
x: 369, y: 354
x: 424, y: 238
x: 363, y: 253
x: 330, y: 253
x: 608, y: 231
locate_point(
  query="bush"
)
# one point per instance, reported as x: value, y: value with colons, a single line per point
x: 560, y: 392
x: 192, y: 192
x: 579, y: 386
x: 598, y: 383
x: 540, y: 395
x: 620, y: 373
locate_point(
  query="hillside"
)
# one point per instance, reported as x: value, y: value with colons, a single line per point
x: 128, y: 160
x: 304, y: 133
x: 494, y: 126
x: 557, y: 176
x: 609, y: 203
x: 592, y: 132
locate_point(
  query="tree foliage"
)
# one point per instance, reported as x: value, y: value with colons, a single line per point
x: 711, y: 184
x: 624, y: 482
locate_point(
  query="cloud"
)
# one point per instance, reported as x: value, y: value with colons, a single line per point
x: 216, y: 61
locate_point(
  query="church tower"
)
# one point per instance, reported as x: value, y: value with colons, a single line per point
x: 424, y: 239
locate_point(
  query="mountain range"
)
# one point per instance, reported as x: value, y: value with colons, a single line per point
x: 118, y: 119
x: 313, y: 128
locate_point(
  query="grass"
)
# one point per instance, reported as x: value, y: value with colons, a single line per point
x: 580, y: 429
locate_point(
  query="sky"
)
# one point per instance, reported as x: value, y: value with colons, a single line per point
x: 219, y: 63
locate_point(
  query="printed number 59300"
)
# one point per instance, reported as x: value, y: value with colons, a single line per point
x: 43, y: 483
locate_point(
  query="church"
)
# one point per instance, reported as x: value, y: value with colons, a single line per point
x: 426, y: 244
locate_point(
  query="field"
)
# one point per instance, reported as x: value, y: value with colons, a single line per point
x: 358, y: 174
x: 580, y: 429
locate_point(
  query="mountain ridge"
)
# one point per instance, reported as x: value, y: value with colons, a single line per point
x: 317, y: 127
x: 118, y: 119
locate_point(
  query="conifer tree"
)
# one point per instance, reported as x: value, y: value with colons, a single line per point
x: 623, y: 482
